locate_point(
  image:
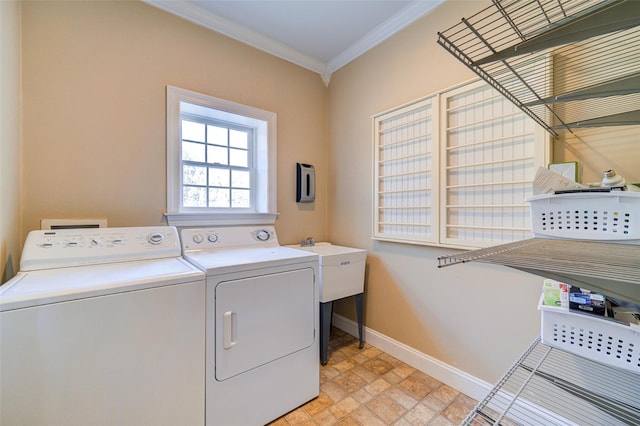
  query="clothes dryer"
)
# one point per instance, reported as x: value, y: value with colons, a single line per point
x: 262, y: 353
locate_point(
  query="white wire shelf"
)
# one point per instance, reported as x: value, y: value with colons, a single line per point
x: 548, y: 386
x: 610, y: 268
x: 566, y: 63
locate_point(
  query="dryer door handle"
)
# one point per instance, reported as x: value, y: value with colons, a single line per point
x: 229, y: 329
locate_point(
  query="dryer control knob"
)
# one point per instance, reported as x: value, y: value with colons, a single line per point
x: 212, y: 238
x: 263, y: 235
x: 197, y: 238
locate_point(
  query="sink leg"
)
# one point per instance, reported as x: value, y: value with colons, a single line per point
x: 359, y: 316
x: 326, y: 311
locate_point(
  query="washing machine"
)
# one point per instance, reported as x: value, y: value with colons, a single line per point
x: 262, y: 353
x: 103, y: 327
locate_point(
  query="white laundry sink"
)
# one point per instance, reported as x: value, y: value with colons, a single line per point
x: 341, y: 270
x: 341, y: 275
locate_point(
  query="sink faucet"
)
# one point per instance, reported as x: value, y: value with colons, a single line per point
x: 308, y: 242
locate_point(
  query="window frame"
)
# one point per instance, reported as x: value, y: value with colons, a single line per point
x: 405, y: 119
x: 228, y: 167
x: 509, y: 115
x: 439, y: 188
x: 264, y: 125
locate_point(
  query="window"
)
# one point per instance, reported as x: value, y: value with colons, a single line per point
x: 217, y: 164
x: 454, y: 169
x: 491, y: 151
x: 221, y: 165
x: 406, y: 178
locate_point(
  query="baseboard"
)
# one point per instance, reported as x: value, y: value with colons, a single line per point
x: 457, y: 379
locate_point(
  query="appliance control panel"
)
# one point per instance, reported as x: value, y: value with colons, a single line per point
x: 46, y: 249
x: 228, y: 237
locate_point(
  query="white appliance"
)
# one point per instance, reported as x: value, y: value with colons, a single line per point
x: 262, y: 348
x: 103, y: 327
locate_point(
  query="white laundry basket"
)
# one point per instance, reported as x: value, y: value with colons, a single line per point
x: 600, y: 339
x: 602, y: 216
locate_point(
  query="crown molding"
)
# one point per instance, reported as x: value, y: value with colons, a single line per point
x: 201, y: 16
x: 195, y: 13
x: 397, y: 22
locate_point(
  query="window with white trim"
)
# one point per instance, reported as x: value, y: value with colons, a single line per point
x: 217, y: 164
x: 221, y: 165
x: 453, y: 169
x: 405, y: 201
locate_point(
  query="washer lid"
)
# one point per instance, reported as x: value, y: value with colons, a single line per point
x: 244, y: 259
x: 42, y: 287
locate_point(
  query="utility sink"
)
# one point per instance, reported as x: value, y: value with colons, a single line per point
x: 341, y: 270
x: 341, y: 275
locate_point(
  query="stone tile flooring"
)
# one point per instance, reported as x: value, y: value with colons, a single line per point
x: 369, y: 388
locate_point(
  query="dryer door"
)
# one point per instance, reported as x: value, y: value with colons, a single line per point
x: 262, y: 318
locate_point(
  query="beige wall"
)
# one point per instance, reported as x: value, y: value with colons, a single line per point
x: 474, y: 317
x: 9, y: 138
x: 94, y: 82
x: 600, y: 149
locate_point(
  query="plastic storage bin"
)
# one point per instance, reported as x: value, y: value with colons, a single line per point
x: 599, y: 339
x: 602, y: 216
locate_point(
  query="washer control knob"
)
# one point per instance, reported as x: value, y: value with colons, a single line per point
x: 263, y: 235
x: 212, y: 238
x: 197, y: 238
x: 155, y: 238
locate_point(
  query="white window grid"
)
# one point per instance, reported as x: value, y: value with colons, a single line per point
x: 206, y: 184
x: 489, y: 163
x: 404, y: 181
x: 261, y: 158
x: 482, y: 150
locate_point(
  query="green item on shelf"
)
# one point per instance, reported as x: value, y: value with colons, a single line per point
x: 555, y: 293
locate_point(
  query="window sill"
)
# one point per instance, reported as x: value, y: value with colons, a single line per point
x: 220, y: 219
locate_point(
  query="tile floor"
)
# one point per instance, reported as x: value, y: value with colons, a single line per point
x: 369, y: 388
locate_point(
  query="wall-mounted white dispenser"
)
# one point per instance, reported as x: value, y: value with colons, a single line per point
x: 305, y: 183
